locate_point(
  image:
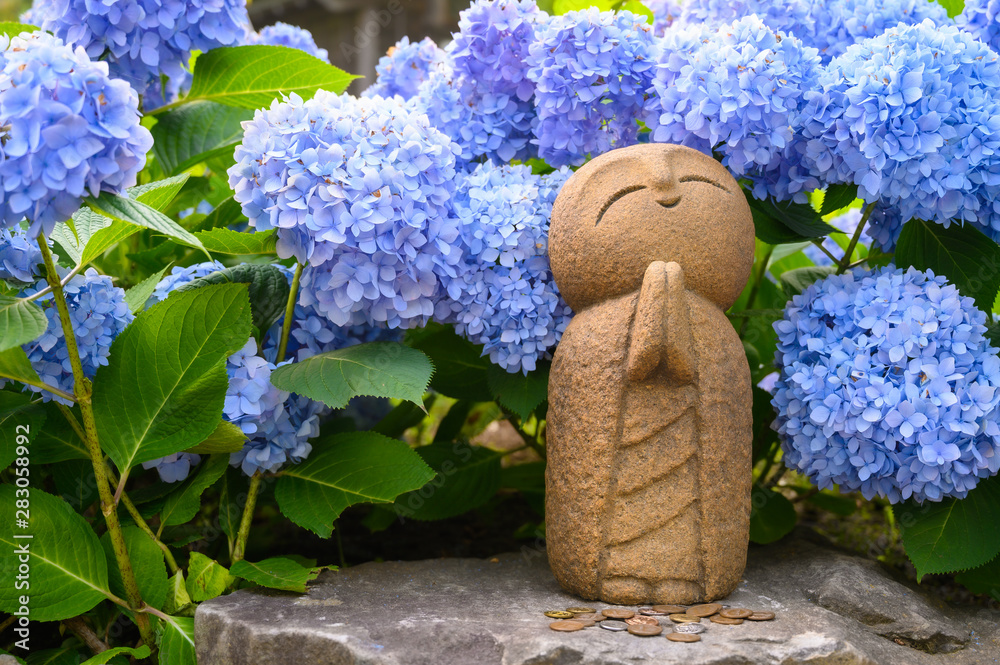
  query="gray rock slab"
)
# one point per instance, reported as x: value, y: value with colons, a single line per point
x: 832, y: 609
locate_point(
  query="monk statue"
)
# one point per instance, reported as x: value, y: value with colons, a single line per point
x: 649, y: 420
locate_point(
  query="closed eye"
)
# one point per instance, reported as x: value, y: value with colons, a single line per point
x: 705, y: 179
x: 618, y: 195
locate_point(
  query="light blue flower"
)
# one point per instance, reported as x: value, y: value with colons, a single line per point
x: 405, y: 67
x: 20, y: 257
x: 292, y: 36
x: 173, y: 468
x: 981, y: 19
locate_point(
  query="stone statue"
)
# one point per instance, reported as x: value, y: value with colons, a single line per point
x: 649, y: 420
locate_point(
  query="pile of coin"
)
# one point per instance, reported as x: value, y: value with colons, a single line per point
x: 685, y: 622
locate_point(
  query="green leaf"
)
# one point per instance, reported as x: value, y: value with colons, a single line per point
x: 838, y: 197
x: 276, y: 573
x: 563, y: 6
x: 75, y: 484
x: 178, y: 599
x: 949, y: 535
x: 377, y: 369
x: 57, y: 441
x: 103, y: 657
x: 953, y: 7
x: 126, y: 210
x: 177, y: 643
x: 227, y: 438
x: 969, y: 259
x: 169, y: 367
x: 984, y: 579
x: 358, y: 467
x: 67, y: 654
x: 267, y: 287
x: 794, y: 282
x: 17, y: 409
x: 763, y: 415
x: 227, y: 213
x: 637, y: 8
x: 13, y: 29
x: 467, y: 477
x: 772, y: 516
x: 529, y: 480
x: 206, y: 578
x: 147, y: 564
x: 402, y: 417
x: 451, y: 425
x: 182, y: 505
x: 21, y: 321
x: 69, y: 574
x: 195, y: 132
x: 137, y: 297
x: 251, y: 77
x: 232, y: 499
x: 459, y: 366
x: 838, y: 504
x: 159, y: 193
x: 778, y: 223
x: 227, y: 241
x: 14, y: 364
x: 517, y: 392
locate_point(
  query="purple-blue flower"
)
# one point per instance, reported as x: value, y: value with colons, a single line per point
x: 833, y: 26
x: 20, y: 257
x: 174, y: 468
x: 665, y: 12
x: 981, y: 19
x: 404, y: 67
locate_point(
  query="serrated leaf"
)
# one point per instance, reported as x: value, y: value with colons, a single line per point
x: 137, y: 297
x: 126, y: 210
x: 226, y: 241
x: 984, y: 579
x: 467, y: 477
x: 147, y: 564
x: 178, y: 599
x: 103, y: 657
x: 206, y: 578
x: 169, y: 367
x: 459, y: 366
x: 794, y: 282
x: 778, y: 223
x: 772, y: 516
x: 227, y: 438
x: 21, y: 321
x: 251, y: 77
x: 377, y: 369
x: 69, y: 574
x: 227, y: 213
x: 267, y: 288
x: 276, y: 573
x: 159, y: 193
x: 177, y: 643
x: 195, y: 132
x: 402, y: 417
x: 183, y: 504
x: 949, y: 535
x: 13, y: 29
x: 969, y: 259
x: 517, y: 392
x: 838, y: 197
x: 358, y: 467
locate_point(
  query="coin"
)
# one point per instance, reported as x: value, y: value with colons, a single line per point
x: 645, y: 630
x: 761, y: 616
x: 615, y: 613
x: 706, y: 610
x: 726, y: 621
x: 736, y: 613
x: 684, y: 618
x: 683, y: 637
x: 567, y: 626
x: 596, y: 616
x: 587, y: 623
x: 559, y: 614
x: 689, y: 628
x: 613, y: 625
x: 653, y: 612
x: 669, y: 609
x: 581, y: 610
x: 642, y: 620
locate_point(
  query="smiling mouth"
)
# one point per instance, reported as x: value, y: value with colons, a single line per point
x: 672, y: 203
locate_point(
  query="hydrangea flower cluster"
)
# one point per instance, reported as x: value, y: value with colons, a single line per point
x: 888, y: 386
x: 20, y: 257
x: 179, y: 276
x: 591, y: 70
x: 787, y: 16
x: 740, y: 92
x: 504, y: 296
x: 144, y: 39
x: 665, y: 12
x: 359, y: 189
x: 69, y: 131
x: 981, y: 19
x: 910, y: 116
x: 833, y: 26
x: 99, y: 313
x: 404, y: 67
x: 292, y: 36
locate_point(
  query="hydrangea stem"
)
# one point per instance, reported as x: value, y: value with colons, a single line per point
x: 286, y: 326
x: 755, y: 287
x: 81, y: 393
x: 845, y: 263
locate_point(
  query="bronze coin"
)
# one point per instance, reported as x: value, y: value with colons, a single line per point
x: 587, y: 623
x: 684, y: 618
x: 669, y: 609
x: 736, y: 613
x: 581, y: 610
x: 559, y: 614
x: 567, y: 626
x: 596, y: 616
x: 726, y: 621
x: 761, y: 616
x: 642, y: 620
x: 683, y: 637
x: 645, y: 630
x: 615, y: 613
x: 706, y: 610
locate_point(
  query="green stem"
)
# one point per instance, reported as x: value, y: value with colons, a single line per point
x: 81, y: 392
x: 44, y: 386
x: 141, y: 523
x: 531, y: 441
x: 241, y: 537
x: 73, y: 422
x: 845, y: 262
x: 755, y: 287
x: 286, y: 326
x: 819, y: 243
x: 768, y: 463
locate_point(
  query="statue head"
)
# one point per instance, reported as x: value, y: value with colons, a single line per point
x: 650, y: 202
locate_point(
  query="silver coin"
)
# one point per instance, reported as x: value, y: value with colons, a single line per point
x: 616, y: 626
x: 689, y: 628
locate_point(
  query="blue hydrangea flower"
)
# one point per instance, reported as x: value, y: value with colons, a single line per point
x: 787, y: 16
x: 503, y: 295
x: 665, y: 12
x: 913, y: 118
x: 359, y: 189
x: 591, y: 70
x: 887, y: 386
x: 142, y: 40
x: 99, y: 313
x: 981, y: 19
x: 292, y: 36
x: 180, y: 276
x: 69, y: 131
x: 20, y: 257
x: 848, y: 223
x: 404, y: 67
x: 740, y: 92
x: 174, y: 468
x: 833, y: 26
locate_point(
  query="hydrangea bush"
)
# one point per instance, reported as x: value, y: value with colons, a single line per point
x: 221, y: 301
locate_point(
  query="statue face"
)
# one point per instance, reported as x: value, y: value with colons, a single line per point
x: 645, y: 203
